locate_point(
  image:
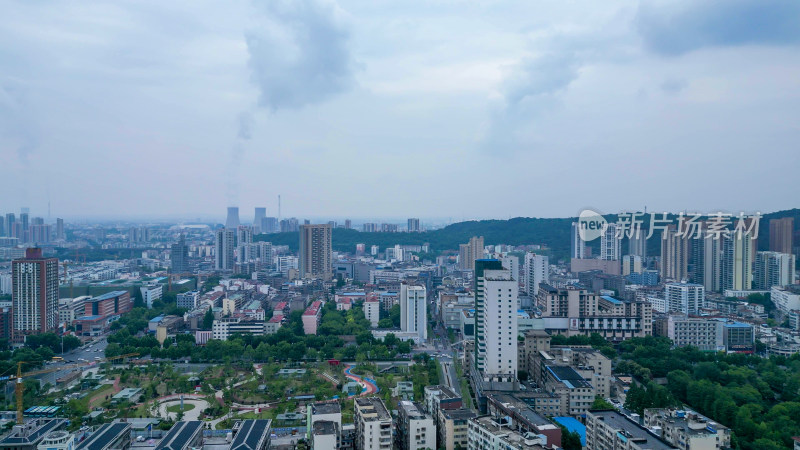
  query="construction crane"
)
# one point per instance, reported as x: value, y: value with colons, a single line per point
x: 18, y: 387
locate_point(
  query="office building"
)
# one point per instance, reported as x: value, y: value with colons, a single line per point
x: 536, y: 270
x: 496, y: 304
x: 773, y: 269
x: 413, y: 225
x: 58, y: 440
x: 179, y: 256
x: 32, y: 434
x: 315, y: 259
x: 707, y: 333
x: 8, y: 225
x: 577, y: 245
x: 687, y: 429
x: 251, y: 434
x: 223, y: 328
x: 781, y: 233
x: 151, y: 293
x: 109, y: 304
x: 111, y: 436
x: 415, y: 430
x: 610, y: 244
x: 183, y: 435
x: 737, y: 262
x: 575, y: 311
x: 373, y: 424
x: 232, y: 221
x: 687, y: 298
x: 413, y: 311
x: 469, y: 252
x: 34, y: 294
x: 674, y: 255
x: 610, y: 430
x: 224, y: 242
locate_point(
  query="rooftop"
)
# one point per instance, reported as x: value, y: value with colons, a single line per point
x: 568, y: 376
x: 324, y: 427
x: 180, y: 436
x: 326, y: 408
x: 630, y: 430
x: 107, y: 296
x: 37, y: 429
x: 104, y: 436
x: 611, y: 299
x: 251, y: 434
x: 373, y: 405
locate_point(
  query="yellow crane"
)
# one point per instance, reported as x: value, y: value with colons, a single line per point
x: 18, y: 387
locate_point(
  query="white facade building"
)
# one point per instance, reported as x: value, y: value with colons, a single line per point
x: 536, y: 270
x: 610, y: 244
x: 151, y: 293
x: 773, y: 269
x: 686, y: 298
x: 500, y: 323
x: 413, y: 311
x: 785, y: 298
x: 372, y: 310
x: 224, y: 241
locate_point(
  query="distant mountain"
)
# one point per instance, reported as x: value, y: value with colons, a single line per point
x: 552, y: 233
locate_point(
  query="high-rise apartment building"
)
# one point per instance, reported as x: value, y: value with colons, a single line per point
x: 577, y: 245
x: 536, y: 270
x: 413, y: 311
x: 260, y: 214
x: 316, y: 251
x: 496, y: 303
x: 737, y: 262
x: 413, y: 225
x: 179, y: 256
x: 138, y: 236
x: 34, y: 295
x: 687, y: 298
x: 224, y: 242
x: 637, y: 244
x: 270, y: 225
x: 781, y: 233
x: 469, y: 252
x: 674, y: 255
x: 416, y: 430
x: 60, y: 234
x: 373, y: 424
x: 773, y: 269
x: 232, y: 221
x: 610, y: 244
x: 712, y: 263
x: 631, y: 264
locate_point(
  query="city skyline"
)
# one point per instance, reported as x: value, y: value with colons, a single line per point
x: 623, y: 95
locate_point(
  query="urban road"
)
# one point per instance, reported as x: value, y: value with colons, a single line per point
x: 85, y: 356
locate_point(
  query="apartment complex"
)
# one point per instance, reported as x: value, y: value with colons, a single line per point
x: 496, y: 303
x: 610, y: 430
x: 415, y: 430
x: 413, y: 311
x: 470, y: 252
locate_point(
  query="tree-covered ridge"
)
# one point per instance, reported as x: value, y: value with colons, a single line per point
x: 758, y: 398
x: 551, y: 233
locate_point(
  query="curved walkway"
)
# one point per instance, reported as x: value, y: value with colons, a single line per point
x: 199, y: 402
x: 369, y: 385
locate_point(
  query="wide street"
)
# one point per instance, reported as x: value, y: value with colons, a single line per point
x: 81, y: 355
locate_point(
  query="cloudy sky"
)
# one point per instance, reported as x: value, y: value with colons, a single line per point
x: 370, y: 108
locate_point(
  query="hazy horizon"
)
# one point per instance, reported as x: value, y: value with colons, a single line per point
x: 454, y: 109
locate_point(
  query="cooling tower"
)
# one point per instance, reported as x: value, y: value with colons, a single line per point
x: 233, y: 217
x: 260, y: 214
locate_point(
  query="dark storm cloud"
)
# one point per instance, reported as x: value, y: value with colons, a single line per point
x: 678, y: 27
x: 300, y: 56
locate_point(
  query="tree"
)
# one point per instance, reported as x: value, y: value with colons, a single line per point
x: 601, y: 403
x: 208, y: 319
x: 570, y: 440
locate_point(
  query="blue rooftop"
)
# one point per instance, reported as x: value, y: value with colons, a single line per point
x: 611, y: 299
x: 90, y: 317
x: 572, y: 424
x: 107, y: 296
x: 157, y: 319
x: 352, y: 294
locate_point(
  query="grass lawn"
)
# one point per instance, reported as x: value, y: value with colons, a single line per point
x: 177, y: 408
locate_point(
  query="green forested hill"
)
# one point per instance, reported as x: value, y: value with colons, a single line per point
x: 552, y: 233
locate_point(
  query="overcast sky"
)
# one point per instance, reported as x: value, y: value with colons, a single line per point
x: 368, y: 108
